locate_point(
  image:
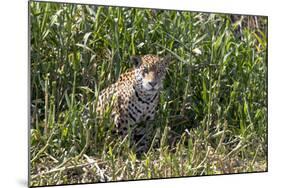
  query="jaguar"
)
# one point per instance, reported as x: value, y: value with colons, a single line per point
x: 134, y: 97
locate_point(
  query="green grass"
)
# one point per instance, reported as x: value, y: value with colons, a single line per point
x: 212, y: 117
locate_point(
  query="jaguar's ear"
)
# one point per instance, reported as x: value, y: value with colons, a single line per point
x: 168, y: 59
x: 136, y: 60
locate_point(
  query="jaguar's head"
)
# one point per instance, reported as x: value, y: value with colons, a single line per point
x: 150, y: 70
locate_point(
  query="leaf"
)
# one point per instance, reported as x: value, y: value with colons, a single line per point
x: 197, y: 51
x: 85, y: 47
x: 86, y: 37
x: 204, y: 91
x: 87, y: 89
x: 218, y: 42
x: 260, y: 40
x: 67, y: 99
x: 200, y: 39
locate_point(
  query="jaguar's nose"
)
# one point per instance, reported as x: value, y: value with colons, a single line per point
x: 153, y: 83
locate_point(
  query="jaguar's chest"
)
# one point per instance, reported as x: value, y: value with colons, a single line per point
x: 140, y: 106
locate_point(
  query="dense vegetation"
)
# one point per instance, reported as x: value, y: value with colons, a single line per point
x: 212, y: 117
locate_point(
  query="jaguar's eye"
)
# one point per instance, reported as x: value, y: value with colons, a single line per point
x: 145, y: 70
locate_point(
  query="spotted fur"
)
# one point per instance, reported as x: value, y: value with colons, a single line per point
x: 135, y: 96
